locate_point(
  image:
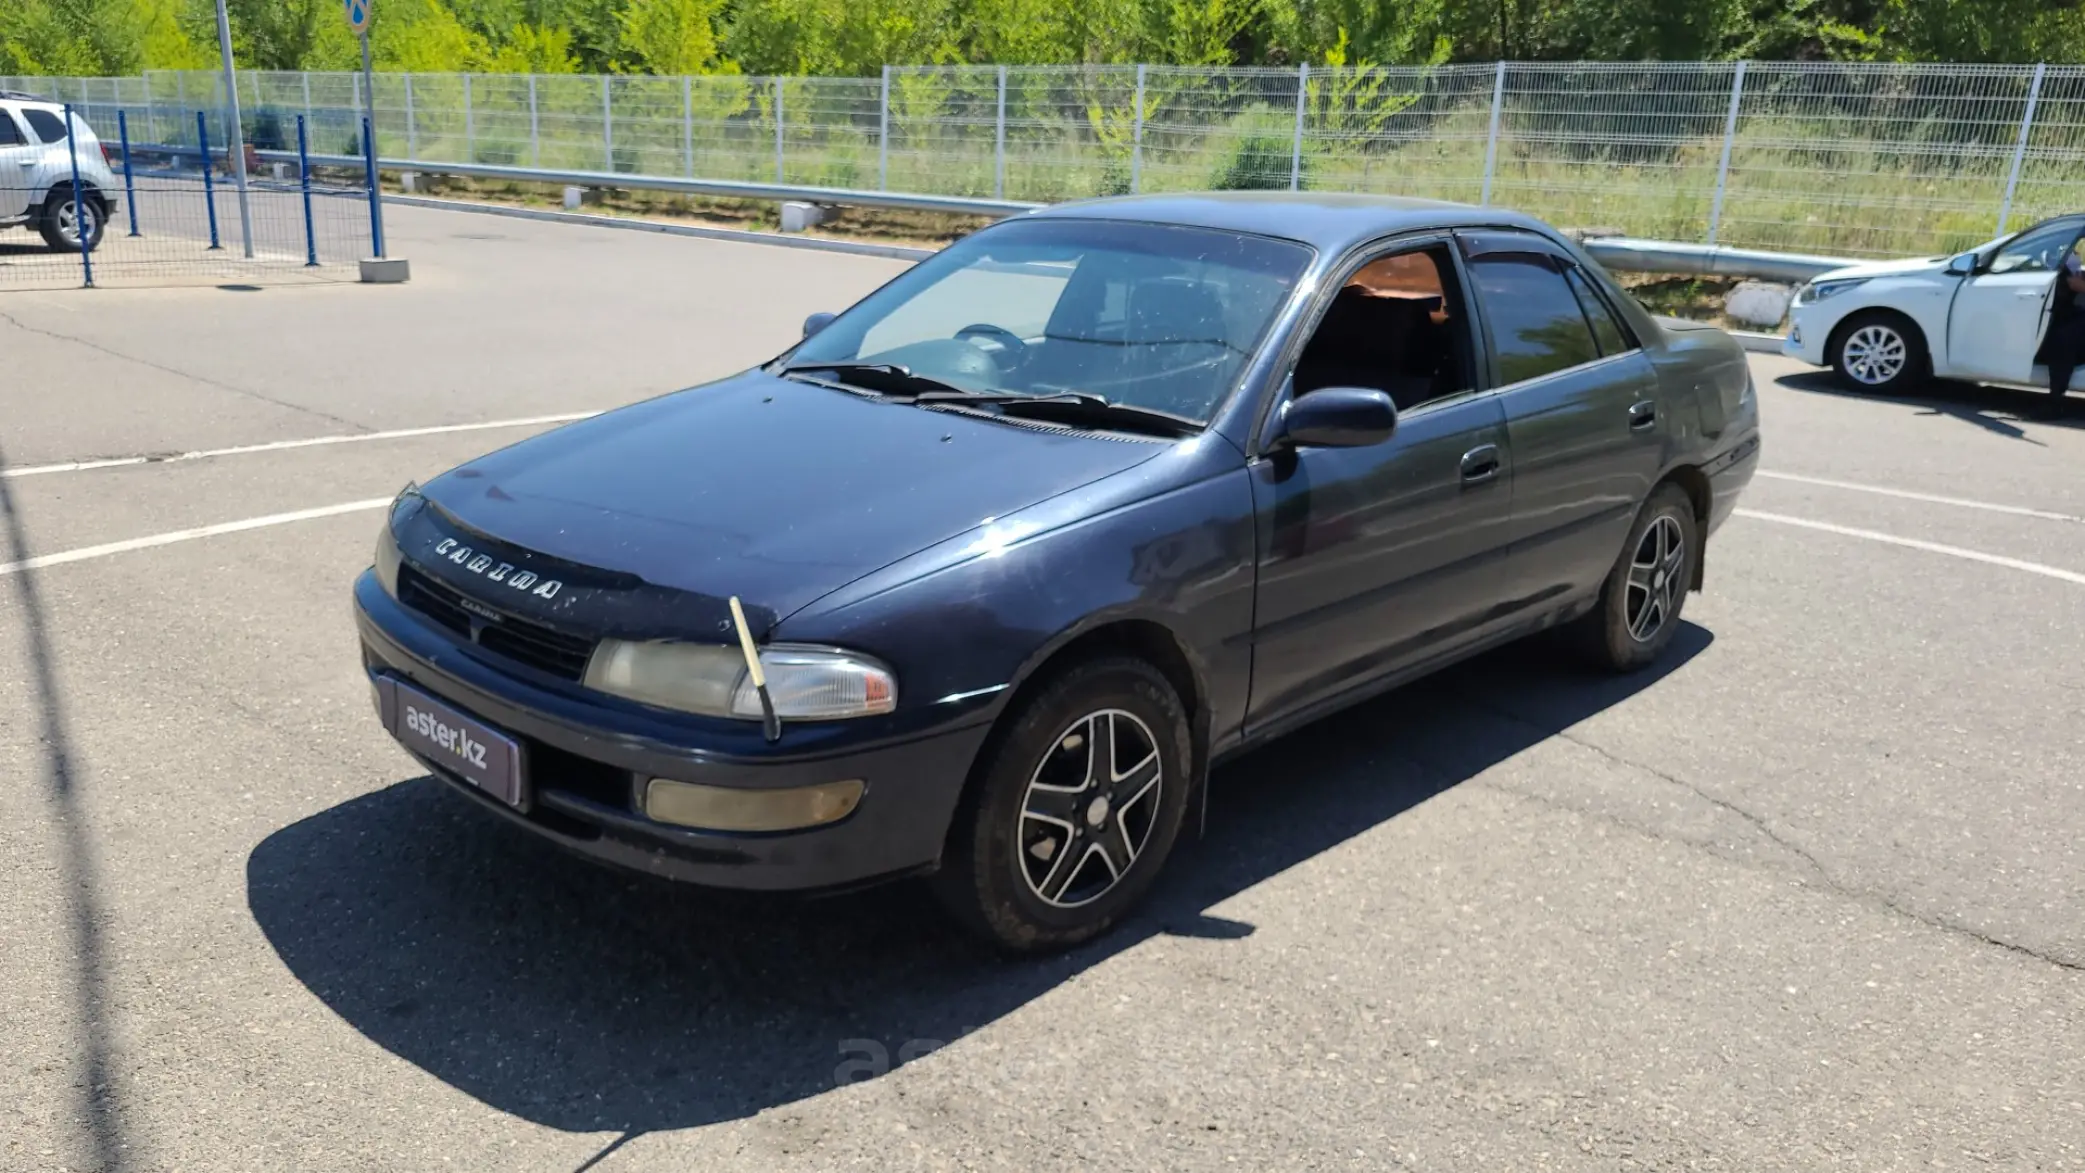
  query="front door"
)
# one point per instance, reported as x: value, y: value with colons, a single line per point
x: 1583, y: 412
x: 2001, y: 313
x: 18, y: 161
x: 1372, y: 559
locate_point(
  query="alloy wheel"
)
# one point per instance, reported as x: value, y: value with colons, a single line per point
x: 1655, y: 580
x: 1090, y: 808
x: 1875, y: 354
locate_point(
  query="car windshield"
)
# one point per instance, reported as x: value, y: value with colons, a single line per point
x: 1150, y: 316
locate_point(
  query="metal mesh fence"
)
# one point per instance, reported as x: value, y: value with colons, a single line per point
x: 150, y: 195
x: 1847, y: 159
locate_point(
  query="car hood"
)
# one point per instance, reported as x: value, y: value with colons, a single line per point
x: 769, y: 489
x: 1899, y: 268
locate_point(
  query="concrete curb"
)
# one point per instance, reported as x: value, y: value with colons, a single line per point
x: 737, y: 236
x: 1757, y: 343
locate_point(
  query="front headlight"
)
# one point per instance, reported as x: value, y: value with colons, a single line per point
x: 387, y: 558
x: 1818, y: 291
x: 805, y: 683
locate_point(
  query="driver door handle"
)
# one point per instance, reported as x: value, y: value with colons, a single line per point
x: 1480, y: 464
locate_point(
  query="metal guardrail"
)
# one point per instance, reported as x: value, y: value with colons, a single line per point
x: 723, y: 188
x: 1662, y: 256
x: 1625, y: 254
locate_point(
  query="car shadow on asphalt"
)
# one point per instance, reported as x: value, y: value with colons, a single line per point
x: 591, y: 1001
x: 1998, y: 410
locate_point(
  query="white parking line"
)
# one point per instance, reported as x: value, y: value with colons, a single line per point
x: 232, y: 527
x: 1934, y: 498
x: 307, y: 442
x: 189, y: 535
x: 2071, y: 576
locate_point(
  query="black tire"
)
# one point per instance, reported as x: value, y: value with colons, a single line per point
x: 1655, y: 570
x: 58, y: 210
x: 1881, y: 352
x: 997, y: 877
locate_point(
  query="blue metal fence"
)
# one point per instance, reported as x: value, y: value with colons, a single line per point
x: 164, y: 176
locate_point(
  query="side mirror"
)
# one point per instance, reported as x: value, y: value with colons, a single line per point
x: 817, y: 322
x: 1336, y: 417
x: 1962, y: 265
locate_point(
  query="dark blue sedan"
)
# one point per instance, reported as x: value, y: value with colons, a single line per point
x: 980, y: 577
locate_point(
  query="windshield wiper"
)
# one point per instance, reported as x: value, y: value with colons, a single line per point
x: 884, y: 377
x: 1070, y: 407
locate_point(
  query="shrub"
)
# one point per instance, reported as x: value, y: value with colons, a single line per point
x: 1260, y: 153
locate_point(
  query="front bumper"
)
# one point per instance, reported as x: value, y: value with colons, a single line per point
x: 586, y: 769
x: 1806, y: 338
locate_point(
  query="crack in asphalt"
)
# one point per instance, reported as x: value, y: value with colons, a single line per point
x: 1869, y: 896
x: 97, y: 347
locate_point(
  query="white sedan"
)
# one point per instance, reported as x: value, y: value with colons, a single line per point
x: 1978, y: 315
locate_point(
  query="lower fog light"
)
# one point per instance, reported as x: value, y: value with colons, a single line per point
x: 719, y: 808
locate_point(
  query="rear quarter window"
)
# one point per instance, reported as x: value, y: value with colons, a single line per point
x: 10, y: 134
x: 48, y: 126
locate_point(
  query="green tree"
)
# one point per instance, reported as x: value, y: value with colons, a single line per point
x: 671, y: 36
x: 534, y: 49
x: 423, y: 36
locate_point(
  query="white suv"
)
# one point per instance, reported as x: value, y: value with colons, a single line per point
x: 36, y: 170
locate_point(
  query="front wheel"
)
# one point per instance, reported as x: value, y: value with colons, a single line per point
x: 71, y: 224
x: 1640, y: 603
x: 1075, y: 811
x: 1880, y: 352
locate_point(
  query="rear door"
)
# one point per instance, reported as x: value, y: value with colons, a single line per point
x: 2001, y: 314
x: 18, y: 158
x: 1584, y: 414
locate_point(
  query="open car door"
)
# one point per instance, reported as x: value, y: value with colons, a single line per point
x: 2001, y: 311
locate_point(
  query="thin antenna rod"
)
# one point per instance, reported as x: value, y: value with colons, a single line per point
x: 769, y: 722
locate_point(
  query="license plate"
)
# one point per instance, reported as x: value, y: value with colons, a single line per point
x: 459, y: 743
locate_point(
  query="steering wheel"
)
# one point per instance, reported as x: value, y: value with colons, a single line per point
x: 1016, y: 348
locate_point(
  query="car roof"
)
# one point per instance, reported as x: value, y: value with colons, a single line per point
x: 1331, y: 222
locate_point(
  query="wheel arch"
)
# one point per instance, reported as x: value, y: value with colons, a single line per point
x: 1136, y: 636
x: 1695, y: 483
x: 64, y: 184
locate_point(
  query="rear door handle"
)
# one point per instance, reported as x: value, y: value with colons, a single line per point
x: 1480, y: 464
x: 1643, y: 416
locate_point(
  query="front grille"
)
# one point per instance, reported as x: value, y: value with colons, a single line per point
x: 539, y: 647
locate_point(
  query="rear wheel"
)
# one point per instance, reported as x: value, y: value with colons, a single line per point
x: 70, y: 224
x: 1075, y: 812
x: 1640, y: 603
x: 1879, y: 351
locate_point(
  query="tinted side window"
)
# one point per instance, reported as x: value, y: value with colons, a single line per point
x: 10, y: 135
x: 48, y: 126
x: 2039, y: 250
x: 1606, y: 327
x: 1536, y: 325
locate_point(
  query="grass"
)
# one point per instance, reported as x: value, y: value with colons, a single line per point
x: 1853, y: 200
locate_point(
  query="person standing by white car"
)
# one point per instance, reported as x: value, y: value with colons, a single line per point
x: 2064, y: 345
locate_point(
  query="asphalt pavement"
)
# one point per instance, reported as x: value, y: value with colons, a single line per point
x: 1810, y: 894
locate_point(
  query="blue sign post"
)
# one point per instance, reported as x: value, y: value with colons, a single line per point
x: 359, y: 14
